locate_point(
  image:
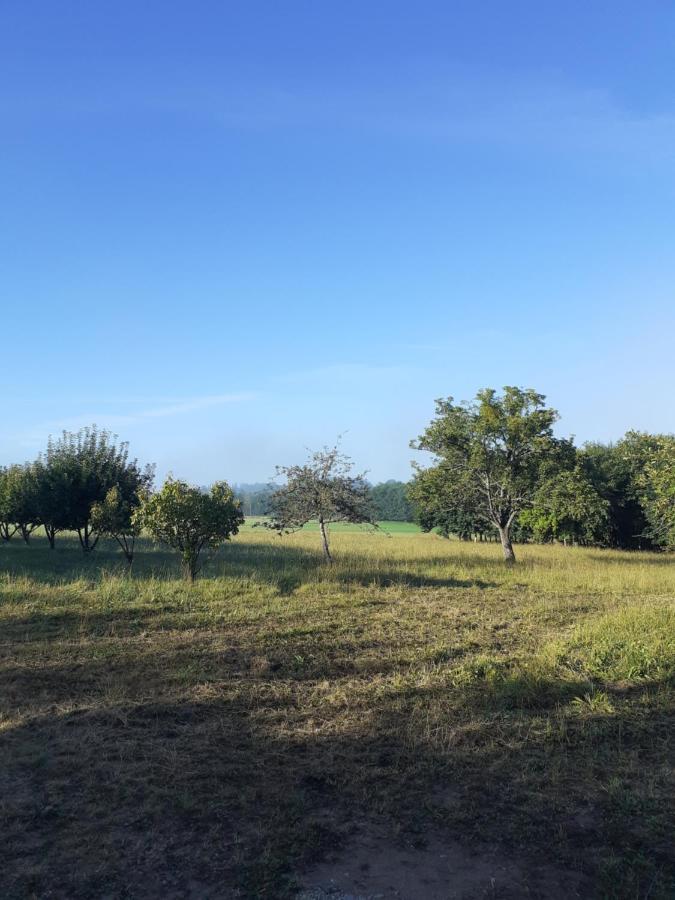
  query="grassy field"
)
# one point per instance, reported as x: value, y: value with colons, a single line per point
x: 342, y: 527
x: 241, y: 737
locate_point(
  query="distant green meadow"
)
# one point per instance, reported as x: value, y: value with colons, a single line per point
x: 388, y: 527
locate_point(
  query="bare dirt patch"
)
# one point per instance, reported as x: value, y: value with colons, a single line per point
x: 374, y: 867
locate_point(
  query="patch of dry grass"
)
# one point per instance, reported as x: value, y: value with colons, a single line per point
x: 160, y: 740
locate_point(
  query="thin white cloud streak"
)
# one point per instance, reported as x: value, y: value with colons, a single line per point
x: 116, y: 420
x: 438, y: 102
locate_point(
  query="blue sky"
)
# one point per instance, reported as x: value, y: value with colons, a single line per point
x: 231, y: 231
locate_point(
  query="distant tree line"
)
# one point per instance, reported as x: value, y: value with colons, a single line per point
x: 498, y: 471
x: 254, y: 498
x: 389, y: 500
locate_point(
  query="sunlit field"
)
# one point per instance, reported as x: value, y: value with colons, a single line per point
x: 228, y: 739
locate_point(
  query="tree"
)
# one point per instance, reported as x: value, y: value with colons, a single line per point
x: 657, y: 486
x: 8, y: 526
x: 441, y: 502
x: 390, y: 502
x: 496, y: 449
x: 567, y: 507
x: 114, y: 517
x: 190, y: 520
x: 53, y: 497
x: 323, y: 490
x: 80, y: 469
x: 616, y: 471
x: 19, y: 501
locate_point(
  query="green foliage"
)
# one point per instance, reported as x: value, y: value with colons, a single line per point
x: 614, y: 471
x: 567, y: 507
x: 657, y: 489
x: 19, y: 507
x: 450, y: 506
x: 7, y: 526
x: 632, y: 476
x: 190, y: 520
x: 114, y: 517
x: 390, y: 502
x: 492, y: 454
x: 78, y: 470
x: 325, y: 490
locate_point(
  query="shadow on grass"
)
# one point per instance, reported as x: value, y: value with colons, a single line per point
x: 283, y: 567
x: 227, y: 792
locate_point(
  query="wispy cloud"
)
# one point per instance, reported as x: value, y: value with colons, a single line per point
x: 419, y: 100
x: 115, y: 420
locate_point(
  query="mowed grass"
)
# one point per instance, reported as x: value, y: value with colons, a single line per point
x: 161, y: 740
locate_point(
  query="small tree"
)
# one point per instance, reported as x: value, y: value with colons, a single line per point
x: 19, y: 501
x: 496, y: 450
x: 323, y: 490
x: 8, y: 526
x: 190, y: 520
x: 115, y: 517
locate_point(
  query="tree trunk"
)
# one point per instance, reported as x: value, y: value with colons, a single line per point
x: 85, y: 535
x: 190, y: 566
x: 50, y: 531
x: 324, y: 539
x: 127, y: 546
x: 507, y: 546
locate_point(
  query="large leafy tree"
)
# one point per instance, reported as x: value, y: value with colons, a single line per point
x: 79, y: 470
x: 442, y: 503
x: 566, y: 507
x: 616, y: 472
x: 657, y: 488
x: 496, y: 449
x: 190, y: 520
x: 324, y: 490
